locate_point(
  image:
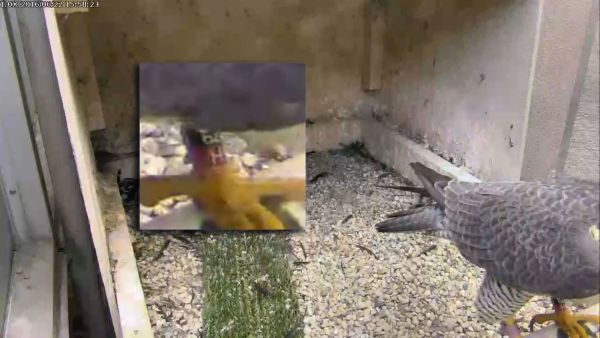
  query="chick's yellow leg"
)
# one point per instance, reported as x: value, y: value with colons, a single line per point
x: 217, y: 196
x: 237, y: 204
x: 264, y: 218
x: 237, y: 221
x: 153, y: 189
x: 290, y: 189
x: 241, y: 202
x: 228, y: 219
x: 566, y: 320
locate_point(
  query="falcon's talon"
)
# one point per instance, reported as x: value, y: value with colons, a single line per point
x: 567, y: 321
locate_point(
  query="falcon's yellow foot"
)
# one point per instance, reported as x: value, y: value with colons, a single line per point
x: 569, y: 322
x: 510, y: 329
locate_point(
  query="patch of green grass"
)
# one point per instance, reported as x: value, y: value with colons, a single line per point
x: 248, y: 287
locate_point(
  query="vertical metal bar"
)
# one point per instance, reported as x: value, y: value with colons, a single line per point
x: 69, y: 205
x: 19, y: 167
x: 6, y: 253
x: 27, y: 304
x: 32, y: 112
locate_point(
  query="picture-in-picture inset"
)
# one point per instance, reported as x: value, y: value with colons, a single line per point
x: 222, y: 146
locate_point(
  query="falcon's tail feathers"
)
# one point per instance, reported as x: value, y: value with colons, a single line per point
x: 433, y: 181
x: 423, y: 219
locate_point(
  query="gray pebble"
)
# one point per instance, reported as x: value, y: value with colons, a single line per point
x: 176, y: 166
x: 152, y: 165
x: 150, y: 145
x: 234, y: 145
x: 150, y: 130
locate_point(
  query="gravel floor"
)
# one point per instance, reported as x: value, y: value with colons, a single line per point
x: 355, y: 282
x: 351, y: 281
x: 170, y: 270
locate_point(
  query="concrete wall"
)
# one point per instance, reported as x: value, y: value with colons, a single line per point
x: 326, y: 35
x: 456, y: 77
x: 582, y: 158
x: 485, y: 84
x: 566, y: 36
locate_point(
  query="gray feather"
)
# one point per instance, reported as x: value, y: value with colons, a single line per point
x: 496, y: 302
x: 433, y: 182
x: 422, y: 219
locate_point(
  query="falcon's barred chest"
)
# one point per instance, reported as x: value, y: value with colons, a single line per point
x: 496, y: 302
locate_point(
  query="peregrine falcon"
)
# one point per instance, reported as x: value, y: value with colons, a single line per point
x: 531, y: 238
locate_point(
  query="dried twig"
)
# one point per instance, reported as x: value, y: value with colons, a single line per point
x: 162, y: 250
x: 347, y: 218
x: 424, y: 251
x: 350, y: 311
x: 364, y: 248
x: 303, y: 250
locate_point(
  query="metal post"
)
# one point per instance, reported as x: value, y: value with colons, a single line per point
x: 69, y: 206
